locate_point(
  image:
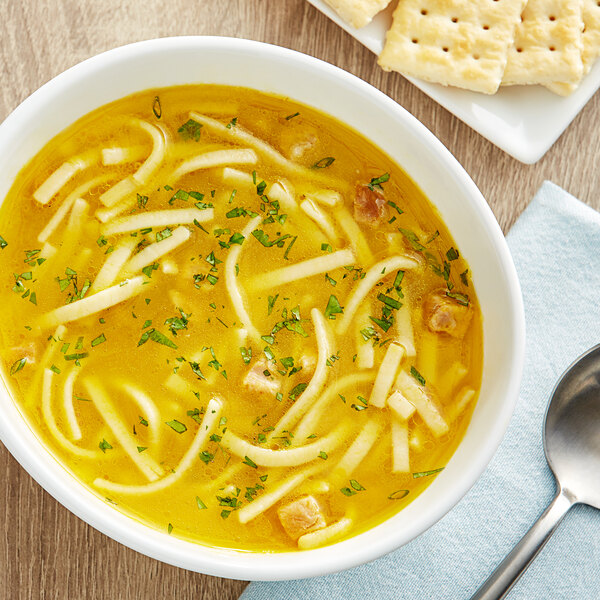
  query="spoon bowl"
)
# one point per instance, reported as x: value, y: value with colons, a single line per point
x: 572, y: 447
x: 572, y: 429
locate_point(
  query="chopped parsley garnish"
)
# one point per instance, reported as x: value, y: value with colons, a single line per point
x: 263, y: 238
x: 156, y: 336
x: 394, y: 205
x: 140, y: 449
x: 200, y: 504
x: 177, y: 323
x: 324, y: 163
x: 96, y: 341
x: 104, y: 446
x: 333, y: 307
x: 287, y: 250
x: 3, y: 243
x: 297, y: 390
x: 177, y: 426
x: 323, y: 455
x: 246, y: 354
x: 460, y: 298
x: 190, y: 130
x: 165, y: 233
x: 18, y: 365
x: 271, y: 303
x: 290, y: 117
x: 376, y: 182
x: 141, y: 202
x: 426, y: 473
x: 398, y: 494
x: 156, y: 107
x: 413, y: 239
x: 196, y: 370
x: 147, y: 271
x: 248, y: 461
x: 452, y: 254
x: 417, y: 376
x: 232, y: 123
x: 206, y: 457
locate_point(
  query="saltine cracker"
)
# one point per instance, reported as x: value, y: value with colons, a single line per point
x: 590, y: 13
x: 358, y: 12
x: 547, y: 45
x: 453, y: 42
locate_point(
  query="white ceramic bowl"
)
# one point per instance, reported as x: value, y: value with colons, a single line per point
x: 182, y: 60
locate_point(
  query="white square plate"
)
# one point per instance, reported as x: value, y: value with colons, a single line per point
x: 522, y: 120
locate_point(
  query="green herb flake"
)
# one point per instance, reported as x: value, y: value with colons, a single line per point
x: 417, y: 375
x: 462, y: 299
x: 147, y: 271
x: 398, y: 494
x: 18, y: 365
x: 452, y: 254
x: 200, y: 504
x: 206, y: 457
x: 190, y: 130
x: 290, y: 117
x: 287, y: 250
x: 165, y: 233
x: 232, y: 123
x: 323, y: 163
x: 375, y: 183
x: 426, y: 473
x: 331, y: 281
x: 156, y: 107
x: 248, y: 461
x: 333, y: 308
x: 99, y: 340
x: 394, y: 205
x: 323, y: 455
x: 140, y: 449
x: 104, y: 446
x: 297, y: 390
x: 413, y: 239
x: 3, y: 243
x: 271, y: 303
x: 175, y: 425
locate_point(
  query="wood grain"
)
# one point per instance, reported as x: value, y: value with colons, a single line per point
x: 45, y: 551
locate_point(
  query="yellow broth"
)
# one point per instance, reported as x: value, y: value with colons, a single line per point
x: 180, y: 341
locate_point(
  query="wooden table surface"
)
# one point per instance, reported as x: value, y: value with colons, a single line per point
x: 45, y: 551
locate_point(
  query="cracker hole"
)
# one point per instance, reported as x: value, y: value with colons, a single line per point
x: 423, y: 11
x: 445, y: 49
x: 486, y: 27
x: 552, y: 48
x: 476, y: 56
x: 415, y: 41
x: 454, y: 20
x: 519, y: 49
x: 552, y: 18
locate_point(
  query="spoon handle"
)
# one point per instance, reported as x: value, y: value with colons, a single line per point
x: 513, y: 566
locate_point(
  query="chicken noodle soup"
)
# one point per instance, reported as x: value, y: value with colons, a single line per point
x: 235, y: 319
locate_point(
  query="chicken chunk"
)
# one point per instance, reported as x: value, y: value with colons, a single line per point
x: 370, y: 206
x: 257, y: 381
x: 301, y: 516
x: 446, y: 315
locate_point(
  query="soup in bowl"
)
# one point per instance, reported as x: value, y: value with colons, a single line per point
x: 248, y: 325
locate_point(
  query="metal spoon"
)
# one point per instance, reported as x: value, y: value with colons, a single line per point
x: 572, y: 446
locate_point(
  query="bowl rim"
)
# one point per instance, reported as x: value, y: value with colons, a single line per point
x: 266, y: 566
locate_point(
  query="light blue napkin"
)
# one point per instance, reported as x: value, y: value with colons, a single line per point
x: 556, y: 248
